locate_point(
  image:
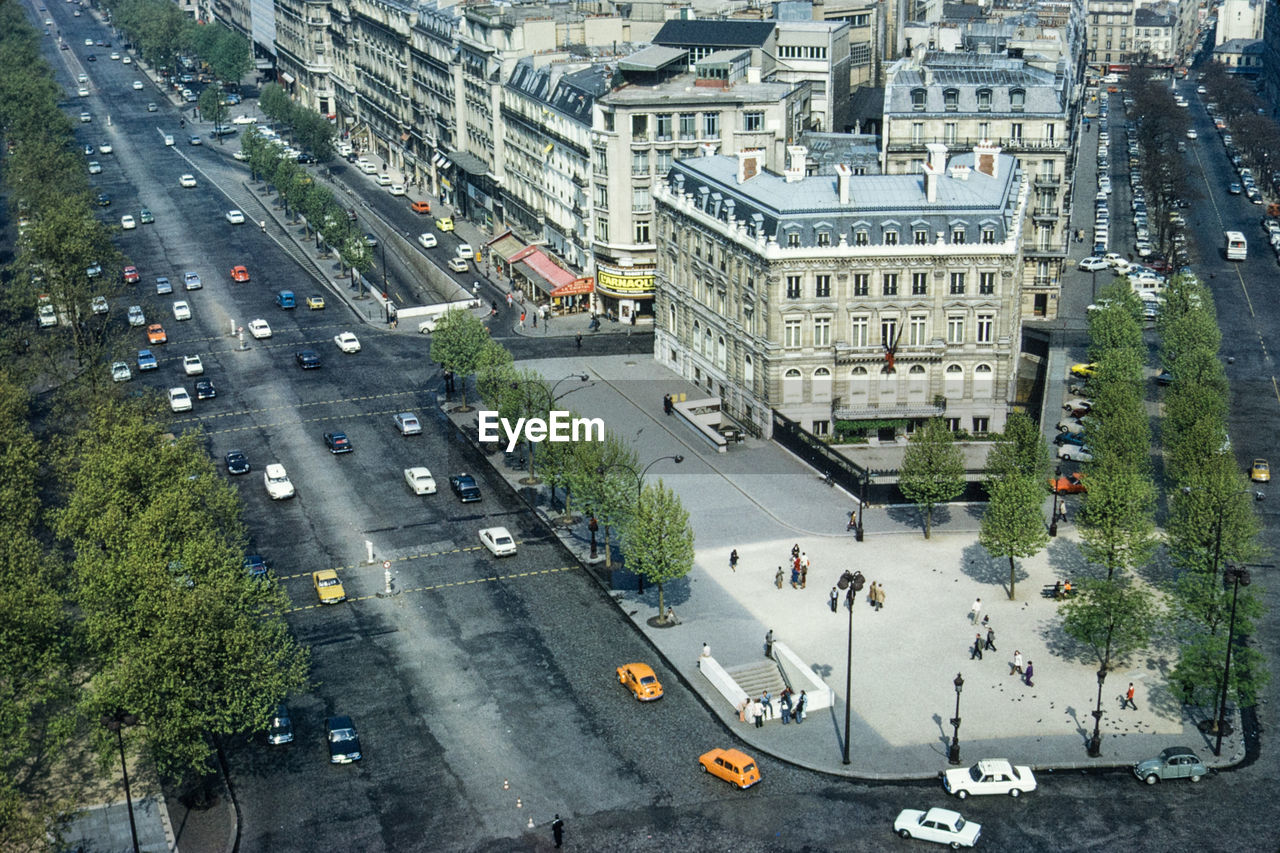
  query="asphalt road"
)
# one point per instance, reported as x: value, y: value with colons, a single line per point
x: 485, y: 681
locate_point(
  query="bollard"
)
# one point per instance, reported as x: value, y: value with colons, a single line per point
x: 368, y: 547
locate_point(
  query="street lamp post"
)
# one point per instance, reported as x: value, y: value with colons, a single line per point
x: 1220, y: 510
x: 1237, y: 578
x: 1095, y: 742
x: 854, y: 581
x: 532, y: 479
x: 639, y: 475
x: 1053, y: 522
x: 953, y: 754
x: 116, y: 723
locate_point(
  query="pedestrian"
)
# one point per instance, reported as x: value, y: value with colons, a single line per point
x: 705, y: 655
x: 795, y: 576
x: 976, y: 651
x: 975, y: 610
x: 795, y: 551
x: 578, y: 339
x: 1016, y: 666
x: 804, y: 570
x: 733, y: 560
x: 766, y: 702
x: 801, y: 705
x: 522, y: 319
x: 880, y: 597
x: 510, y: 298
x: 779, y: 578
x: 744, y: 709
x: 1026, y: 679
x: 666, y: 403
x: 871, y: 595
x: 835, y: 600
x: 557, y: 831
x: 535, y: 319
x: 768, y: 644
x: 263, y: 226
x: 990, y: 644
x: 1128, y: 698
x: 671, y: 616
x: 757, y: 714
x: 784, y: 704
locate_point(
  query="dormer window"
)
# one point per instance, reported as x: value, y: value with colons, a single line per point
x: 918, y: 98
x: 951, y: 100
x: 984, y: 100
x: 1017, y: 100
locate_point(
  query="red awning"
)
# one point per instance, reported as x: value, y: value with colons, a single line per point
x: 577, y: 287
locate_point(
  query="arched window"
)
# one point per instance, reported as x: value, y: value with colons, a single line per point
x: 1017, y: 100
x: 859, y: 385
x: 671, y: 317
x: 954, y: 380
x: 918, y: 99
x: 917, y: 381
x: 706, y: 341
x: 822, y: 385
x: 983, y: 381
x: 720, y: 357
x: 697, y: 337
x: 951, y: 100
x: 792, y: 386
x: 749, y: 373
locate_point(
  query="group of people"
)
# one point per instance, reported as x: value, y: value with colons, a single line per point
x: 799, y: 569
x: 792, y: 707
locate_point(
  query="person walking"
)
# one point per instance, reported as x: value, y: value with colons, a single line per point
x: 880, y: 597
x: 522, y: 319
x: 733, y: 560
x: 871, y: 595
x: 578, y: 339
x: 801, y: 705
x: 510, y: 297
x: 779, y: 578
x: 976, y: 651
x: 975, y: 610
x: 766, y: 702
x: 835, y: 600
x: 1128, y: 698
x: 757, y: 714
x: 1026, y: 678
x: 784, y: 703
x: 1016, y: 666
x: 768, y: 644
x: 990, y: 644
x: 557, y: 831
x: 666, y: 403
x: 804, y: 570
x: 795, y: 551
x: 795, y: 576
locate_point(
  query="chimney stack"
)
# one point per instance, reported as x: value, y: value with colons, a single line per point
x: 749, y: 163
x: 796, y: 155
x: 986, y: 158
x: 934, y: 169
x: 843, y: 173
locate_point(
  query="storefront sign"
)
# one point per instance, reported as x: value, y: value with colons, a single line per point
x: 577, y: 287
x: 636, y: 282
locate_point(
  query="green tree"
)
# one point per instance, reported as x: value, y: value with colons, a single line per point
x: 213, y: 107
x: 275, y: 103
x: 1211, y: 517
x: 1013, y: 523
x: 604, y: 479
x: 355, y: 253
x: 230, y: 56
x: 1116, y: 522
x: 1019, y: 450
x: 658, y: 541
x: 932, y: 469
x: 456, y: 345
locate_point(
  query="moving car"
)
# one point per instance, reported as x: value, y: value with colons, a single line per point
x: 347, y: 342
x: 1175, y: 762
x: 156, y: 335
x: 464, y: 251
x: 328, y: 588
x: 444, y: 223
x: 128, y: 223
x: 285, y: 299
x: 163, y: 287
x: 136, y: 317
x: 277, y: 482
x: 383, y: 180
x: 146, y: 360
x: 191, y: 281
x: 179, y: 400
x: 104, y: 148
x: 1260, y: 471
x: 989, y: 776
x: 280, y: 729
x: 259, y: 329
x: 239, y: 273
x: 187, y: 181
x: 137, y: 85
x: 408, y: 423
x: 420, y: 480
x: 464, y: 486
x: 120, y: 372
x: 181, y: 310
x: 193, y: 139
x: 344, y: 742
x: 640, y: 680
x: 308, y: 359
x: 337, y: 442
x: 371, y: 240
x: 731, y: 765
x: 428, y: 241
x: 1092, y: 263
x: 192, y: 365
x: 941, y: 825
x: 498, y: 540
x: 315, y: 303
x: 235, y: 217
x: 205, y: 390
x: 396, y: 189
x: 95, y: 168
x: 237, y: 462
x: 458, y: 265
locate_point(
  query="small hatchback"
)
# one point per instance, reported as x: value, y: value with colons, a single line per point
x: 731, y: 765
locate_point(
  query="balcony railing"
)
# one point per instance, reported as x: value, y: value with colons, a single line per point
x: 917, y: 143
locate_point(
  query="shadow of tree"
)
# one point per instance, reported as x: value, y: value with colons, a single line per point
x: 983, y: 567
x: 1068, y: 561
x: 913, y: 516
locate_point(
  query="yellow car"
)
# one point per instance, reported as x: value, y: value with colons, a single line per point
x: 1084, y: 369
x: 1260, y: 471
x: 640, y: 680
x: 328, y: 587
x: 315, y: 302
x: 444, y: 223
x: 736, y: 768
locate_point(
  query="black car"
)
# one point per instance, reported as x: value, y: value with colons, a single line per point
x: 91, y: 58
x: 104, y: 200
x: 371, y: 241
x: 256, y: 566
x: 308, y: 359
x: 344, y: 742
x: 337, y: 442
x: 464, y: 486
x: 280, y: 729
x: 237, y: 462
x: 205, y: 390
x: 306, y: 157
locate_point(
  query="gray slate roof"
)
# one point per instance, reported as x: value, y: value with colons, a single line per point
x: 714, y: 33
x: 967, y: 73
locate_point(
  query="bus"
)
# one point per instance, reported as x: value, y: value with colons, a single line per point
x: 1237, y: 248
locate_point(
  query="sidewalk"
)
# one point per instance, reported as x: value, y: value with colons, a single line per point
x: 759, y: 499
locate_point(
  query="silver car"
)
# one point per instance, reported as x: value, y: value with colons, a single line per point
x: 1175, y: 762
x: 408, y: 423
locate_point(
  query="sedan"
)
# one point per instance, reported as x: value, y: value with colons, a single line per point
x: 315, y: 303
x: 130, y: 274
x: 136, y: 317
x: 1235, y: 188
x: 307, y: 359
x: 1075, y: 453
x: 419, y: 479
x: 733, y: 766
x: 187, y: 181
x: 244, y: 119
x: 146, y: 360
x: 337, y: 442
x: 99, y: 305
x: 151, y: 107
x: 193, y: 139
x: 94, y: 270
x: 1260, y: 471
x: 941, y: 825
x: 396, y: 189
x: 464, y: 486
x: 328, y: 587
x: 181, y: 310
x: 1191, y: 133
x: 458, y: 265
x: 464, y: 251
x: 163, y: 287
x: 280, y: 729
x: 259, y: 329
x: 179, y: 400
x: 498, y: 540
x: 347, y: 342
x: 191, y: 281
x: 1175, y: 762
x: 276, y: 479
x: 1084, y: 369
x: 640, y: 680
x: 120, y: 372
x: 156, y: 335
x: 205, y: 390
x: 989, y: 776
x: 137, y: 85
x: 128, y: 223
x: 239, y: 273
x: 95, y: 168
x: 235, y: 217
x: 344, y: 742
x: 237, y: 462
x: 408, y: 424
x: 371, y: 240
x: 103, y: 200
x: 444, y: 224
x: 427, y: 241
x: 383, y: 180
x: 1092, y: 263
x: 104, y: 148
x: 192, y: 365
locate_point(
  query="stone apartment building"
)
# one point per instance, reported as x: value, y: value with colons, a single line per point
x: 1155, y: 34
x: 962, y: 99
x: 1110, y: 33
x: 868, y: 298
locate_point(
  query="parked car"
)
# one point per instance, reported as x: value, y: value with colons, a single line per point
x: 344, y: 742
x: 146, y: 360
x: 1075, y: 453
x: 1175, y: 762
x: 1260, y: 471
x: 280, y: 728
x: 989, y: 776
x: 120, y: 372
x: 179, y: 400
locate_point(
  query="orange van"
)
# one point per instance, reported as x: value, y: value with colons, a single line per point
x: 421, y: 207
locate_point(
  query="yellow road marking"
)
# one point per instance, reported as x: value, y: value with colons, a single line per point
x: 449, y: 585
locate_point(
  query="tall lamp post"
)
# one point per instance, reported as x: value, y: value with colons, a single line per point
x: 116, y: 723
x: 953, y: 754
x: 532, y: 479
x: 1053, y: 522
x: 854, y: 581
x: 1237, y: 578
x: 1095, y: 742
x: 1220, y: 510
x: 639, y: 475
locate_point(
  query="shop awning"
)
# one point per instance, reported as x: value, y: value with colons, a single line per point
x: 286, y: 77
x: 541, y: 270
x: 505, y: 246
x: 577, y: 287
x: 468, y: 162
x: 440, y: 160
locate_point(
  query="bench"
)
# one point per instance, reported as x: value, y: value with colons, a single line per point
x: 1053, y: 590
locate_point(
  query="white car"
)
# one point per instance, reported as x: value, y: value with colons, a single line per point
x: 465, y: 251
x: 498, y: 540
x: 427, y: 241
x: 187, y: 181
x: 408, y: 423
x: 383, y: 180
x: 95, y: 168
x: 168, y: 141
x: 83, y: 91
x: 277, y: 482
x: 458, y: 265
x: 128, y: 223
x: 366, y: 167
x: 137, y: 85
x: 1092, y: 263
x: 192, y: 365
x: 235, y: 217
x: 420, y: 480
x: 105, y: 148
x: 396, y: 189
x: 989, y: 776
x: 259, y: 329
x: 941, y: 825
x: 179, y: 400
x: 1191, y: 133
x: 136, y: 317
x: 243, y: 119
x: 120, y: 372
x: 347, y: 342
x: 48, y: 317
x: 99, y: 305
x: 1072, y: 453
x: 181, y: 310
x: 125, y: 60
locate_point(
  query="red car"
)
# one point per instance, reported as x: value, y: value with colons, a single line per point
x: 131, y: 275
x: 239, y: 273
x: 1073, y: 484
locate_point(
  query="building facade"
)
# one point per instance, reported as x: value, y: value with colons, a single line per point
x: 1155, y: 35
x: 1110, y: 29
x: 1239, y: 19
x: 876, y: 298
x: 963, y: 99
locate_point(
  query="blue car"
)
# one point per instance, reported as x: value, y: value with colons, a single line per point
x: 146, y: 361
